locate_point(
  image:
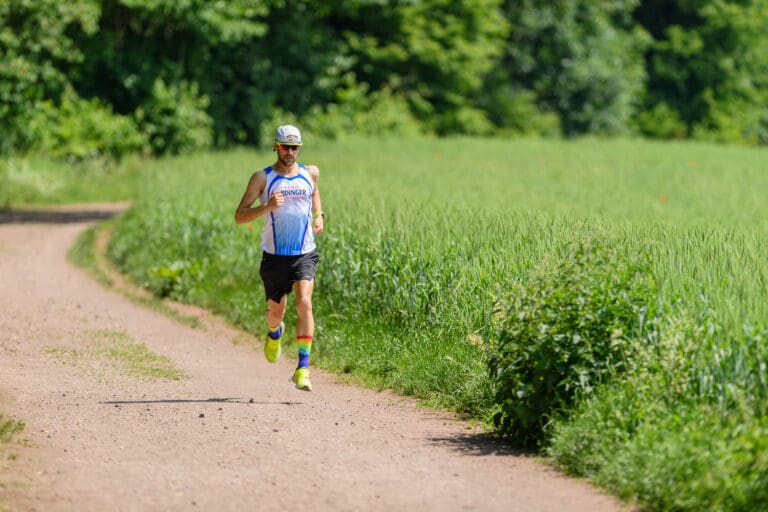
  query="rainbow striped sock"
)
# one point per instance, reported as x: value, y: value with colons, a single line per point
x: 305, y: 348
x: 276, y: 332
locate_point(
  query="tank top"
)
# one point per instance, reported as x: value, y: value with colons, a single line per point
x: 288, y: 230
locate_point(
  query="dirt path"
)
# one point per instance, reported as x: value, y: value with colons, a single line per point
x: 234, y: 434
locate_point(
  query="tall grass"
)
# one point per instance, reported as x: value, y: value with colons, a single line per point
x: 423, y: 238
x: 39, y: 181
x: 697, y: 208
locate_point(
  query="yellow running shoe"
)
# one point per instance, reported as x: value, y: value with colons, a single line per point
x: 301, y: 378
x: 272, y: 349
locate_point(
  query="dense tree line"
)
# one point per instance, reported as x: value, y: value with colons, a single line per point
x: 105, y: 77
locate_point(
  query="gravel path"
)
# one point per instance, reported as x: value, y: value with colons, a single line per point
x: 234, y: 434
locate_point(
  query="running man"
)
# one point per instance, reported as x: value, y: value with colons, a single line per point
x: 289, y: 198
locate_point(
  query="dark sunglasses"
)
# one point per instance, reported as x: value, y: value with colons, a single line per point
x: 286, y: 147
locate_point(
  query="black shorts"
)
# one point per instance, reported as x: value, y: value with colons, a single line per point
x: 280, y: 272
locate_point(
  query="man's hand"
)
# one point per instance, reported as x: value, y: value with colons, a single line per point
x: 318, y: 225
x: 276, y: 201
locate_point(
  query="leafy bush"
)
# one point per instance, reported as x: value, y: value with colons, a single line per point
x: 356, y: 112
x: 565, y: 331
x: 38, y: 56
x: 583, y: 60
x: 359, y: 112
x: 175, y: 119
x: 515, y: 111
x: 661, y: 122
x: 80, y: 129
x: 685, y: 427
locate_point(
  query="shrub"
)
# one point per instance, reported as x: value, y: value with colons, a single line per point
x: 661, y: 122
x: 175, y: 119
x: 514, y: 110
x: 79, y: 129
x: 360, y: 112
x: 684, y: 428
x: 564, y: 331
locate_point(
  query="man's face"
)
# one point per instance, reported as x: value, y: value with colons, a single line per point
x: 286, y: 153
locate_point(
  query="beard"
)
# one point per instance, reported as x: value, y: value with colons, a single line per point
x: 287, y: 160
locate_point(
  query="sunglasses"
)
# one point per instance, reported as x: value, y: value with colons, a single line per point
x: 288, y: 147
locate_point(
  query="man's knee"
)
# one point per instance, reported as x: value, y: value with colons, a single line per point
x: 304, y: 304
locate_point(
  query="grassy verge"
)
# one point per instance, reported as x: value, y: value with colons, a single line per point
x: 34, y: 181
x: 88, y: 252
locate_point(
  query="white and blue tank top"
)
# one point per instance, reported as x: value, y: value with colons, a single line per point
x: 288, y: 230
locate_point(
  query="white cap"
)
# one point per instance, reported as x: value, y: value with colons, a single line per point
x: 288, y: 134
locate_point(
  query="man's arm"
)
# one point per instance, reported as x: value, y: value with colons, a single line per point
x: 317, y: 205
x: 245, y: 212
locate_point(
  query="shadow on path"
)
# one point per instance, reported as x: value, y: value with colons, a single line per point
x: 63, y: 216
x: 481, y: 445
x: 198, y: 401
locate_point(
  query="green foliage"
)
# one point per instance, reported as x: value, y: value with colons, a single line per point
x: 514, y: 110
x: 433, y: 53
x: 581, y: 58
x: 79, y: 129
x: 707, y: 63
x: 661, y: 122
x: 480, y: 67
x: 565, y: 331
x: 355, y: 112
x: 358, y: 113
x: 36, y: 50
x: 675, y: 432
x: 142, y: 46
x: 175, y: 119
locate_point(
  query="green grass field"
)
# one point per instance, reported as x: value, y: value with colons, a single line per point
x: 697, y: 208
x: 436, y: 250
x: 36, y: 181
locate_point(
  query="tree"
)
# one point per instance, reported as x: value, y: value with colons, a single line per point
x: 580, y: 58
x: 36, y: 50
x: 204, y: 50
x: 436, y: 53
x: 707, y: 69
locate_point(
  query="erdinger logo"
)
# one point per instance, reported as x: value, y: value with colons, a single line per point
x: 292, y: 138
x: 290, y: 194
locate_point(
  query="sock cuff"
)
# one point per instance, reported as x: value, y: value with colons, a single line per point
x: 305, y: 339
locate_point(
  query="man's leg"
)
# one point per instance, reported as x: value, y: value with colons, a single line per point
x: 275, y: 312
x: 274, y: 316
x: 305, y: 324
x: 305, y: 328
